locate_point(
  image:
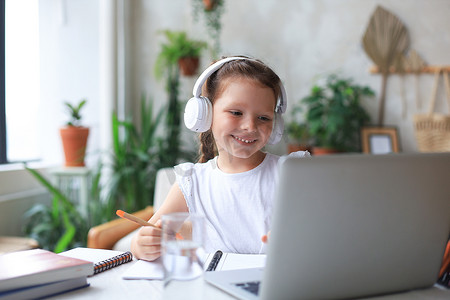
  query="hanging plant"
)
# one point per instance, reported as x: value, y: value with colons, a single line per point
x: 384, y: 40
x: 211, y: 11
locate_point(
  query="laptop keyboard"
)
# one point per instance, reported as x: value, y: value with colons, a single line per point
x: 251, y: 286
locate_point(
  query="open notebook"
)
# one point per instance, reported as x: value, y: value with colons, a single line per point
x: 349, y: 226
x: 229, y: 261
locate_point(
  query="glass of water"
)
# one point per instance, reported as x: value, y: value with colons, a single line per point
x: 182, y: 255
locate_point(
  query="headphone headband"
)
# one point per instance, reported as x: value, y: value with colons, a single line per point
x: 197, y: 90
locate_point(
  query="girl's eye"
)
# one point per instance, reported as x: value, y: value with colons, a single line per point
x: 236, y: 113
x: 264, y: 118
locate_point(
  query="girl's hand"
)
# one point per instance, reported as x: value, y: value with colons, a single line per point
x: 265, y: 238
x: 146, y: 243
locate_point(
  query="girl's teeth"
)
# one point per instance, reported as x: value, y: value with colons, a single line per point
x: 242, y: 140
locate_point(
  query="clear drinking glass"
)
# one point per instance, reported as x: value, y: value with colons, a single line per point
x: 182, y: 255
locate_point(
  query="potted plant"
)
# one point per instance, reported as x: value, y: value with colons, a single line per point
x: 335, y: 116
x: 74, y: 136
x: 179, y: 51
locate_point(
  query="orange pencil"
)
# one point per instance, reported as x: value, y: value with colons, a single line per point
x: 135, y: 219
x: 141, y: 222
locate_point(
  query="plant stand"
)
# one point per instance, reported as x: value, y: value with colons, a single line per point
x: 74, y: 183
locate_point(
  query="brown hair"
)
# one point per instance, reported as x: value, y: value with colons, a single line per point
x: 244, y: 68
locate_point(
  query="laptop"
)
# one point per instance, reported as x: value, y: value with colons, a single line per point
x: 351, y: 226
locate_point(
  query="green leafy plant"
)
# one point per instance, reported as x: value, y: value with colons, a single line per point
x: 334, y: 113
x: 74, y: 112
x: 57, y: 227
x: 61, y: 225
x: 135, y: 160
x: 177, y: 46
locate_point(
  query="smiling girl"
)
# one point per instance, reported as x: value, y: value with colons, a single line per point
x: 233, y: 183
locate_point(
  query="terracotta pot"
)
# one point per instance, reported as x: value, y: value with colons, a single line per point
x: 74, y: 140
x: 298, y: 147
x: 209, y: 4
x: 323, y: 151
x: 188, y: 65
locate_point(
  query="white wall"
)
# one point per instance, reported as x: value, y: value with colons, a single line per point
x: 14, y: 203
x: 302, y: 40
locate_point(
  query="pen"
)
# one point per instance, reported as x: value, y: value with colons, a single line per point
x: 214, y: 261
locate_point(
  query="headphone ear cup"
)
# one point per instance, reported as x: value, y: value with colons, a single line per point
x: 277, y: 129
x: 198, y: 114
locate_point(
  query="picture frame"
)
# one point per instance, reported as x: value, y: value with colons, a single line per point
x: 379, y: 140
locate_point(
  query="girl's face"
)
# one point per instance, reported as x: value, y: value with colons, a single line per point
x: 242, y: 119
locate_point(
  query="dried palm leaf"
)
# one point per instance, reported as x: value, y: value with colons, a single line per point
x: 385, y: 38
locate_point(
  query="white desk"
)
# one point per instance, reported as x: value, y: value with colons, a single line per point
x: 109, y: 285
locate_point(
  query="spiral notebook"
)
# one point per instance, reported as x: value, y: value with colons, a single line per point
x: 103, y: 259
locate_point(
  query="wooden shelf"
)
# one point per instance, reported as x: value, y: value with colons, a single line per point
x: 426, y: 69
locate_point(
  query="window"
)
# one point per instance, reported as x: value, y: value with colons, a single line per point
x: 2, y: 85
x: 61, y: 63
x: 21, y: 80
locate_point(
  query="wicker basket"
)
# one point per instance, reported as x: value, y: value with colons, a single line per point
x: 432, y: 130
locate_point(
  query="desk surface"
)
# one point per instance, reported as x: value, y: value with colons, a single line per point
x: 110, y: 285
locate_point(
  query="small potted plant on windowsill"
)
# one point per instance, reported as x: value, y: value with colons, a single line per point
x: 179, y: 51
x: 334, y: 115
x: 74, y: 136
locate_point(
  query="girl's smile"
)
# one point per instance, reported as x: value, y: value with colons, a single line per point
x: 244, y: 140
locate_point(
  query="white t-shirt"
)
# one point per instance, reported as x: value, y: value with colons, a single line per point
x: 237, y: 207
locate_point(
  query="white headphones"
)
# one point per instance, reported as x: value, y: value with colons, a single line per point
x: 198, y: 110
